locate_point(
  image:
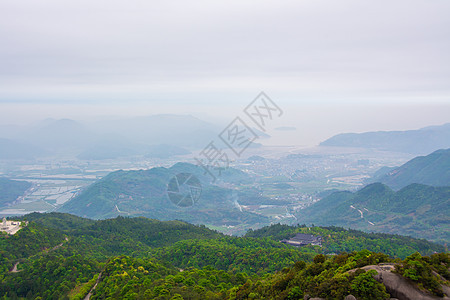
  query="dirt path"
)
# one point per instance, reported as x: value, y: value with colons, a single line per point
x: 59, y: 245
x: 88, y: 296
x: 14, y: 269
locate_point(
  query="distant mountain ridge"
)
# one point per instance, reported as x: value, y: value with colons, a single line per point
x: 171, y: 129
x: 420, y: 141
x: 418, y: 210
x: 11, y: 189
x: 59, y: 134
x: 433, y: 169
x: 154, y: 136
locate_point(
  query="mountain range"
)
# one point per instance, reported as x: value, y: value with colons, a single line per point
x: 417, y: 210
x: 156, y: 136
x: 432, y: 169
x: 420, y: 141
x: 413, y: 199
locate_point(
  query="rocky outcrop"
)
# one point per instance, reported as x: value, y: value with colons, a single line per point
x: 308, y: 297
x: 398, y: 286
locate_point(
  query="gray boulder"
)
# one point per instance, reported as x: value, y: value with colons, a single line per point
x: 398, y: 286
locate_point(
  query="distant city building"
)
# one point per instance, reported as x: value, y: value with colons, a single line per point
x: 301, y: 239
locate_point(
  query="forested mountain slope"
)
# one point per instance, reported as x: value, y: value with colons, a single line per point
x: 62, y: 255
x: 418, y: 210
x: 433, y: 169
x: 144, y: 193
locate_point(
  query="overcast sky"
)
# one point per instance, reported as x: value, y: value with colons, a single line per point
x: 78, y: 58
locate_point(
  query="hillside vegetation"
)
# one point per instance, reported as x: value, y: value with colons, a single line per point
x: 62, y: 256
x: 417, y: 210
x: 144, y: 193
x: 433, y: 169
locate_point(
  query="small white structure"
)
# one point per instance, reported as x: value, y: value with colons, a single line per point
x: 10, y: 227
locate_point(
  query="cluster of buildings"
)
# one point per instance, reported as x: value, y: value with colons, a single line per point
x: 10, y: 227
x: 301, y: 239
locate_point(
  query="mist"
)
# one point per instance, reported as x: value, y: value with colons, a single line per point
x: 333, y: 67
x: 313, y: 123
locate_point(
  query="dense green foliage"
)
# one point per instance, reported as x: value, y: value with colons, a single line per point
x: 50, y: 276
x: 417, y: 210
x: 247, y: 255
x: 58, y: 221
x: 424, y: 270
x: 42, y: 250
x: 11, y: 189
x: 27, y: 242
x: 329, y: 277
x: 337, y: 239
x: 326, y: 277
x: 130, y: 278
x: 62, y: 257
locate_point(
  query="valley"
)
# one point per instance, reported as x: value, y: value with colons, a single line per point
x: 277, y: 186
x: 224, y: 150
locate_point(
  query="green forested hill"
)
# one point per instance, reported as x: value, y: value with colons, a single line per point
x: 62, y: 256
x: 27, y: 242
x: 232, y: 254
x: 11, y: 189
x: 338, y: 239
x: 144, y: 193
x: 338, y: 276
x: 433, y: 169
x: 61, y: 221
x: 417, y: 210
x: 332, y: 277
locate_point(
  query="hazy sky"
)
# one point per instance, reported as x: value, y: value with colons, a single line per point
x: 323, y: 61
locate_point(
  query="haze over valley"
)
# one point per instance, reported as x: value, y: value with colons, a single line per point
x: 275, y: 183
x: 220, y: 150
